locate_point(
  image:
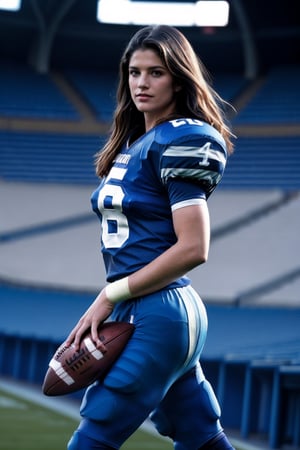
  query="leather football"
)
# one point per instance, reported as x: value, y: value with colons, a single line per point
x: 71, y: 370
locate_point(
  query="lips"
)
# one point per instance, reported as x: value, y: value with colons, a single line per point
x: 143, y: 96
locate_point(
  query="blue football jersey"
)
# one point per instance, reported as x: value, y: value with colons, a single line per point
x: 175, y: 164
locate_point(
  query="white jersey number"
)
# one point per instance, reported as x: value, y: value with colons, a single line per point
x: 115, y: 229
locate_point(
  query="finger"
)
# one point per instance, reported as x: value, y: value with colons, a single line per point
x: 95, y: 337
x: 78, y: 337
x: 94, y: 333
x: 70, y: 338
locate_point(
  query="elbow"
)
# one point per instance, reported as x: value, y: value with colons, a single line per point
x: 201, y: 252
x: 202, y: 258
x: 198, y: 256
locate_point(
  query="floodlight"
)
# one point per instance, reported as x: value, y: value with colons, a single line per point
x: 10, y: 5
x: 201, y: 13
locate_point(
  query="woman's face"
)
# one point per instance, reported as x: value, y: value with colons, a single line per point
x: 151, y: 86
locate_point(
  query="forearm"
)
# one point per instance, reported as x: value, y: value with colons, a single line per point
x: 172, y: 264
x: 192, y: 229
x: 166, y: 268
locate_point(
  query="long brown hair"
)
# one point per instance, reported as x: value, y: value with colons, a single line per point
x: 196, y: 98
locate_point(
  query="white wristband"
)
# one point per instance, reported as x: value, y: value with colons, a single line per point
x: 118, y: 290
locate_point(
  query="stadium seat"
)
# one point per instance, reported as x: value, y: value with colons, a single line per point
x: 285, y: 407
x: 276, y: 102
x: 28, y: 94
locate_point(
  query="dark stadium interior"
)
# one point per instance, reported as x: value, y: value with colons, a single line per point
x: 80, y: 41
x: 58, y: 71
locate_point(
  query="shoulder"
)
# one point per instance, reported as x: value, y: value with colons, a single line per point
x: 187, y: 130
x: 193, y: 151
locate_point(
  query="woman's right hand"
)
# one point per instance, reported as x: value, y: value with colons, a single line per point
x: 97, y: 313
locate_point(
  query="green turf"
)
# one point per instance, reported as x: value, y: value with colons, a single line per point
x: 27, y: 426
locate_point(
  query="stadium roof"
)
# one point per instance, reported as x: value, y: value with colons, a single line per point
x: 65, y: 33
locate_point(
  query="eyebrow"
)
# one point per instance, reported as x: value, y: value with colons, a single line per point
x: 148, y: 68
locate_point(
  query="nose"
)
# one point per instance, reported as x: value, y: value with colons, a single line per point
x: 143, y: 81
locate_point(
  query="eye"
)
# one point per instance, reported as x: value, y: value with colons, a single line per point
x: 156, y: 73
x: 133, y: 72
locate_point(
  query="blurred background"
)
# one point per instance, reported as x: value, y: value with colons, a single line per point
x: 58, y: 73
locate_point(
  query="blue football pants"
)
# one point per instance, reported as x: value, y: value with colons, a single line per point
x: 158, y: 374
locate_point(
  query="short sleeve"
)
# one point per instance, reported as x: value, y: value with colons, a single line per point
x: 184, y: 193
x: 199, y: 161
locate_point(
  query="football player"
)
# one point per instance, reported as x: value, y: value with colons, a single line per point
x: 165, y: 156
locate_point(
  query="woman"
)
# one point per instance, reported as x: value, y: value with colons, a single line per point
x: 166, y: 154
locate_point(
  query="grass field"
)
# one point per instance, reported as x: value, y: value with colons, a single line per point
x: 24, y: 425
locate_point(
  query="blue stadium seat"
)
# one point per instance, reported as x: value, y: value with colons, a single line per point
x: 48, y: 157
x: 229, y: 86
x: 259, y: 384
x: 276, y: 102
x: 264, y: 163
x: 97, y: 88
x: 31, y: 95
x: 258, y: 163
x: 285, y: 407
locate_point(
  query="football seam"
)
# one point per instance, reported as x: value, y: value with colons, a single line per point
x: 127, y: 331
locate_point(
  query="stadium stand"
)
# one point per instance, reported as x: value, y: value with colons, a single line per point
x: 98, y: 89
x: 229, y: 85
x: 68, y: 158
x: 31, y: 95
x: 48, y: 157
x: 277, y: 101
x: 272, y: 387
x: 265, y: 163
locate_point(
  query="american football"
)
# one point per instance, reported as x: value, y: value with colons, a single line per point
x: 70, y: 370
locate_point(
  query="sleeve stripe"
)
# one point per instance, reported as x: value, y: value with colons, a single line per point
x: 190, y: 202
x: 195, y: 152
x: 197, y: 174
